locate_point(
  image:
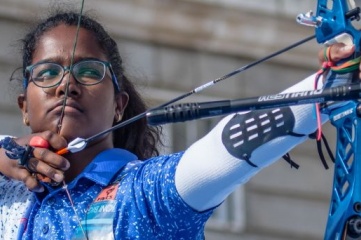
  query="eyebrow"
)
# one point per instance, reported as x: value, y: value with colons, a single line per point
x: 57, y: 60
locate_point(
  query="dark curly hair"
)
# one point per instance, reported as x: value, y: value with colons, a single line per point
x: 138, y: 137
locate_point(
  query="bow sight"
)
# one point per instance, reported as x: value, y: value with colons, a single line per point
x: 337, y: 21
x: 334, y: 22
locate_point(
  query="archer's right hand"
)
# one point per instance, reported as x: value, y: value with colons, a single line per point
x: 45, y: 162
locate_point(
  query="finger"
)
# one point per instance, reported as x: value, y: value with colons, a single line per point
x: 36, y: 166
x: 336, y: 52
x: 339, y: 52
x: 52, y: 159
x: 30, y: 181
x: 55, y: 140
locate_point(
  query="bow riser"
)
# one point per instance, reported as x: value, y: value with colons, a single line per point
x: 335, y: 21
x: 344, y: 219
x: 338, y: 25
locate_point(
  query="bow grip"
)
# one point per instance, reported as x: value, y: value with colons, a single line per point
x: 337, y: 22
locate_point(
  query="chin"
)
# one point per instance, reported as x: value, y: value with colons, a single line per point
x: 78, y: 130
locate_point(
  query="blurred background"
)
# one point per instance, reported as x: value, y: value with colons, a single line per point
x: 170, y: 47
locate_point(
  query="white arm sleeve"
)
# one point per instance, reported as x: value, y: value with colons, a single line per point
x: 207, y: 173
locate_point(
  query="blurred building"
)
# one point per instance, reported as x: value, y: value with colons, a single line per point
x: 171, y: 47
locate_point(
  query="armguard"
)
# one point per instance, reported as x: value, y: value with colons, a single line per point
x: 246, y: 132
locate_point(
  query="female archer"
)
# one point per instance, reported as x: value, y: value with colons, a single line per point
x: 118, y: 187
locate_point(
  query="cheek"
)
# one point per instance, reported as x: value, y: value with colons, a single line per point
x: 103, y: 99
x: 34, y: 104
x: 36, y: 111
x: 105, y: 110
x: 101, y: 105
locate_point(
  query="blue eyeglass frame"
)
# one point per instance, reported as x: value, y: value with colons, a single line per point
x: 107, y: 64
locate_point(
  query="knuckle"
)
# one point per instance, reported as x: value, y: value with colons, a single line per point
x: 49, y: 171
x: 41, y: 153
x: 32, y: 164
x: 64, y: 164
x: 47, y: 135
x: 29, y: 181
x: 32, y: 183
x: 56, y: 141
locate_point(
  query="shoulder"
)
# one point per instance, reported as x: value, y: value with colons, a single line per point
x: 149, y: 173
x: 162, y: 163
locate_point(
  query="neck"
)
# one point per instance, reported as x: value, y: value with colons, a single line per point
x: 78, y: 161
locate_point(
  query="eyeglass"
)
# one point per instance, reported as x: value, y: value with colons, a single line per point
x: 86, y: 72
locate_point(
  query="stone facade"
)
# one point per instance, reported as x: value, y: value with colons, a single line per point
x: 170, y: 47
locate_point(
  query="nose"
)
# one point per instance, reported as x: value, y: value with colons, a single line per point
x: 70, y: 83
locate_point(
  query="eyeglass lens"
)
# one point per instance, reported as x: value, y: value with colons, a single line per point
x: 50, y: 74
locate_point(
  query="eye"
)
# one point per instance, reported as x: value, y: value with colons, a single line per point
x: 45, y: 72
x: 89, y: 72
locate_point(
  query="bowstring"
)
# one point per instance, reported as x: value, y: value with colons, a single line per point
x: 60, y: 121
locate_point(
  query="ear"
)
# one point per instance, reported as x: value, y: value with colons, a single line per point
x: 23, y: 107
x: 121, y: 101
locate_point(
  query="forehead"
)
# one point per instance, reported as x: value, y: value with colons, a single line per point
x: 57, y: 44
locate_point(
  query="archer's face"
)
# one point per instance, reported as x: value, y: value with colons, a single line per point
x: 89, y: 109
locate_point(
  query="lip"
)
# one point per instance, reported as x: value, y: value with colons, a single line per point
x: 71, y: 106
